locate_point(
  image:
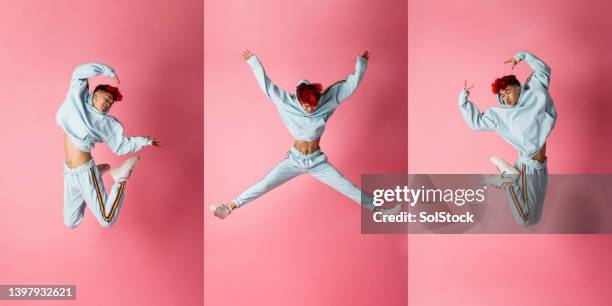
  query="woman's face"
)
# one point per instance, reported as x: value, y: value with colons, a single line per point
x: 308, y: 108
x: 103, y: 101
x: 510, y: 95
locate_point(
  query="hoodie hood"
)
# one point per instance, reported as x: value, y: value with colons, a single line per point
x: 300, y: 82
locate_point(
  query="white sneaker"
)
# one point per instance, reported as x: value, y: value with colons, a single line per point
x: 500, y: 181
x: 392, y: 210
x: 389, y: 211
x: 502, y: 166
x: 220, y: 211
x: 507, y: 174
x: 123, y: 171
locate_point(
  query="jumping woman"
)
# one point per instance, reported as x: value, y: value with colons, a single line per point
x: 85, y: 121
x: 525, y: 119
x: 305, y: 114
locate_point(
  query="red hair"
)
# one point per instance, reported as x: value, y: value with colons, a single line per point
x: 114, y: 91
x: 503, y: 82
x: 309, y: 93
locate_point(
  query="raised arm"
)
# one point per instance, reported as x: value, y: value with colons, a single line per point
x: 476, y: 120
x: 273, y: 92
x: 83, y: 72
x: 120, y: 144
x: 345, y: 89
x: 541, y: 71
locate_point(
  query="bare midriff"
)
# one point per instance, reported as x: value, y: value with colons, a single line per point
x: 307, y: 146
x: 74, y: 156
x: 541, y: 155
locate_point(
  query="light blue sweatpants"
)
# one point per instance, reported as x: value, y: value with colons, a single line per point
x: 297, y: 163
x: 83, y: 186
x: 526, y: 195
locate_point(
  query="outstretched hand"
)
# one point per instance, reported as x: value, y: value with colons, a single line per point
x: 366, y: 54
x: 466, y: 88
x: 512, y: 61
x: 246, y: 54
x: 154, y: 142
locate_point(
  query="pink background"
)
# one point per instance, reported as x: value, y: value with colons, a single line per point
x: 153, y: 254
x: 450, y: 42
x: 287, y: 251
x: 301, y: 244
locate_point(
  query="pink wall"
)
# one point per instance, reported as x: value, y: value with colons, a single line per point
x: 282, y: 249
x: 301, y: 244
x: 452, y: 41
x: 153, y: 254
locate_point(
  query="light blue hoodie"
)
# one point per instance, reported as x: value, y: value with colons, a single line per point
x: 527, y: 124
x: 301, y: 124
x: 84, y: 124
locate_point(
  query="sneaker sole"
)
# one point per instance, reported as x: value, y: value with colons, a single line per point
x: 128, y: 163
x: 496, y: 161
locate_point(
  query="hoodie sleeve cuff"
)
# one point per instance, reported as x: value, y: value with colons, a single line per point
x: 519, y: 56
x: 462, y: 97
x: 252, y: 60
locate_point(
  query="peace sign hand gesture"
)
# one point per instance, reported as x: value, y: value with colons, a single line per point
x: 512, y: 61
x: 466, y: 88
x: 246, y: 54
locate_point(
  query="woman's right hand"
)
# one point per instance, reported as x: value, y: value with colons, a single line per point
x: 154, y: 141
x: 246, y: 54
x: 366, y: 55
x: 466, y: 88
x: 513, y: 61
